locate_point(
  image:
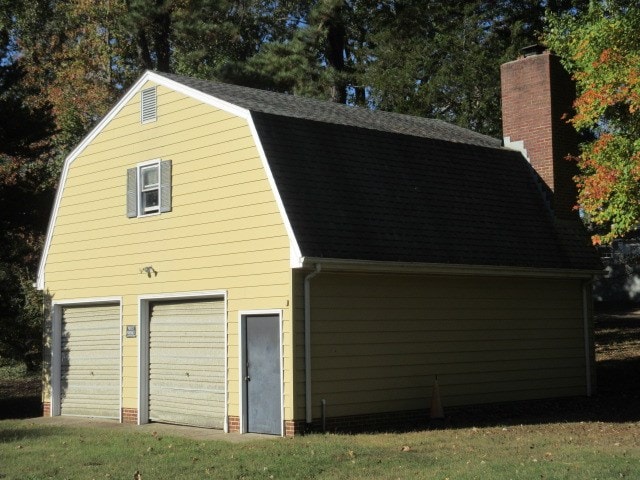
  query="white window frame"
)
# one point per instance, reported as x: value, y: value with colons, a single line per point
x: 135, y: 193
x: 141, y: 190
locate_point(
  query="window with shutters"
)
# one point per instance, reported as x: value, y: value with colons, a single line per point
x: 149, y: 188
x: 149, y: 177
x: 148, y: 105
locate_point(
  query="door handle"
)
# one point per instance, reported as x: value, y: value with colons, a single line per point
x: 247, y: 378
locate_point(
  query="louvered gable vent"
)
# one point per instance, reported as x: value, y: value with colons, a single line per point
x: 148, y: 107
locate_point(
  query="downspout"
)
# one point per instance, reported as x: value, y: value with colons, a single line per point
x: 307, y: 342
x: 586, y: 286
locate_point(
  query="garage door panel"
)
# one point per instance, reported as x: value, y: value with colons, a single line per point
x: 177, y: 384
x: 186, y: 362
x: 90, y: 361
x: 191, y: 363
x: 96, y: 337
x: 195, y: 333
x: 93, y: 373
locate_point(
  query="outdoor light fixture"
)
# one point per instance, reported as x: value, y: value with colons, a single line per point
x: 149, y: 270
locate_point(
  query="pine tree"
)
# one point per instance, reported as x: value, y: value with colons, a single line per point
x: 25, y: 195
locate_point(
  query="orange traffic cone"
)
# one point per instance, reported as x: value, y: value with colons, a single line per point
x: 436, y: 404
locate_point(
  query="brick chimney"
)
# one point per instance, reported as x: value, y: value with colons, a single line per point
x: 537, y: 92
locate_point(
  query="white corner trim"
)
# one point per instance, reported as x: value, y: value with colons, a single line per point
x: 295, y: 255
x: 517, y: 145
x: 77, y: 151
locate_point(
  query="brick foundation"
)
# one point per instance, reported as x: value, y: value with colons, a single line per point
x: 130, y: 415
x: 293, y: 428
x: 372, y: 422
x: 234, y: 424
x: 46, y: 409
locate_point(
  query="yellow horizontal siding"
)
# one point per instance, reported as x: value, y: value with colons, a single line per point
x: 224, y: 232
x: 438, y: 361
x: 378, y: 341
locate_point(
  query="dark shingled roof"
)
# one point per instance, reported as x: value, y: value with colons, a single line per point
x: 368, y: 185
x: 310, y: 109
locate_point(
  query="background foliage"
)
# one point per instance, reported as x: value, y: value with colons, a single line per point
x: 63, y: 63
x: 601, y: 48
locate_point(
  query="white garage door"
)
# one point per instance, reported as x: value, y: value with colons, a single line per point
x: 90, y: 361
x: 186, y: 363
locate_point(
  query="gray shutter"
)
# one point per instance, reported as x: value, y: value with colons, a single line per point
x: 165, y: 186
x: 132, y: 192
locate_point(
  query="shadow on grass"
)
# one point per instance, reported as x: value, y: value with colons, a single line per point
x: 20, y: 398
x: 26, y: 432
x: 613, y: 331
x: 20, y: 407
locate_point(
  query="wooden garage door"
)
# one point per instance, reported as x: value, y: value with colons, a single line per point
x: 186, y: 363
x: 90, y: 361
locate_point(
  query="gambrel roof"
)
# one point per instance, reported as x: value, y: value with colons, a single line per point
x: 367, y: 186
x: 379, y: 186
x: 291, y: 106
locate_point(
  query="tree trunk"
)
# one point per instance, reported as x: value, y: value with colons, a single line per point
x: 161, y: 40
x: 335, y: 55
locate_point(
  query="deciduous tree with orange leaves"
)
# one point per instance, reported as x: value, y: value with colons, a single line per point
x: 601, y: 49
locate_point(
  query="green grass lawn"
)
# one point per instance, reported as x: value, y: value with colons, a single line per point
x: 589, y: 450
x: 579, y: 438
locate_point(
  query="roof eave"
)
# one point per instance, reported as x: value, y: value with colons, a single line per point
x: 372, y: 266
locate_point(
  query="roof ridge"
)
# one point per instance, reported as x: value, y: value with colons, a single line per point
x: 295, y: 106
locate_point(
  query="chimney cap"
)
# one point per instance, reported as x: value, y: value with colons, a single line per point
x: 531, y: 50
